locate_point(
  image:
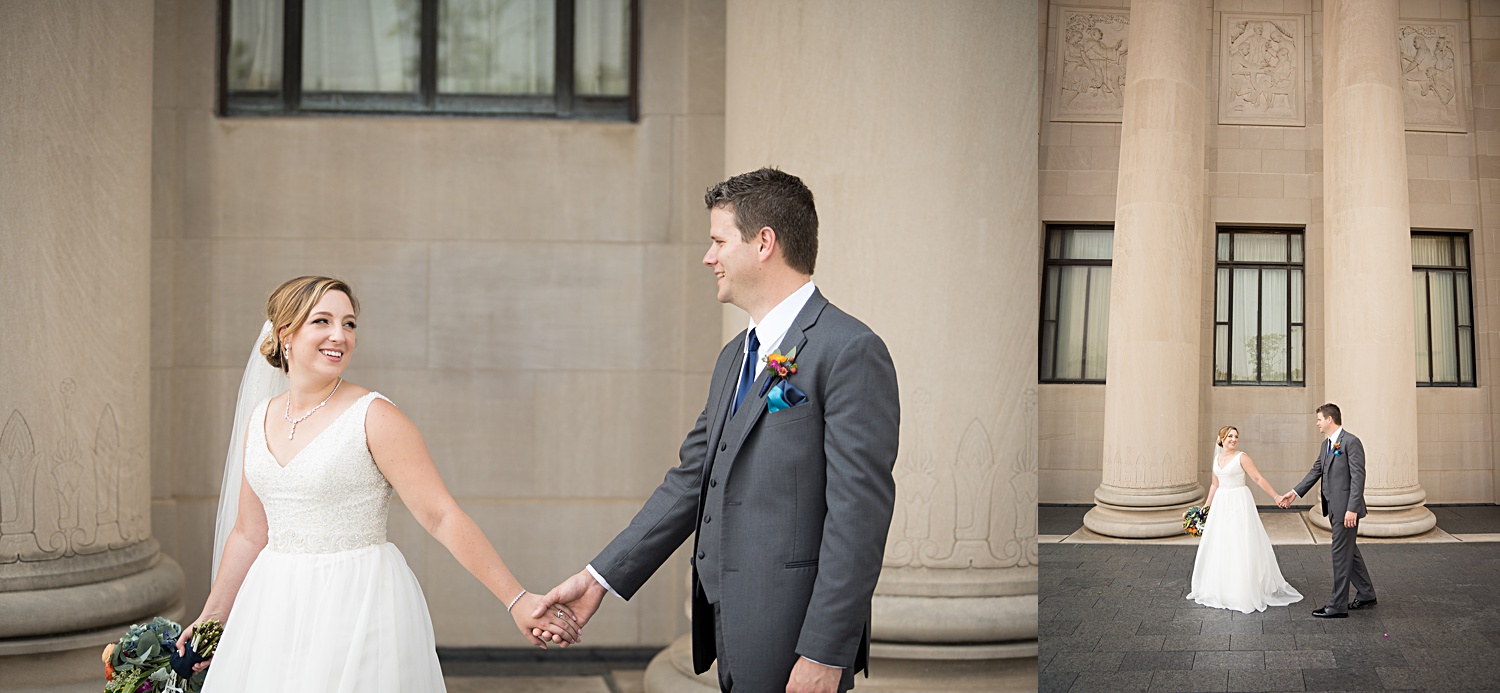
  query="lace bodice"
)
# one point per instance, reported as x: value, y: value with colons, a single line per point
x: 330, y: 497
x: 1232, y: 475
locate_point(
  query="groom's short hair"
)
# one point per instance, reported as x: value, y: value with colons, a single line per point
x: 1331, y: 411
x: 774, y: 198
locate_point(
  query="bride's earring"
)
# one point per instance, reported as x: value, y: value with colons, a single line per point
x: 288, y: 347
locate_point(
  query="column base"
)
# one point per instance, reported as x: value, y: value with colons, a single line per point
x: 1404, y: 521
x: 1136, y: 522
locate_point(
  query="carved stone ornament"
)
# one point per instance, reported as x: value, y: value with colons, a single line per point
x: 1262, y: 70
x: 1432, y: 84
x: 1089, y: 72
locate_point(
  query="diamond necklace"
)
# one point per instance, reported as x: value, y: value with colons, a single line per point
x: 288, y: 413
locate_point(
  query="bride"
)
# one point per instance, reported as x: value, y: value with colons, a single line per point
x: 311, y: 595
x: 1236, y: 567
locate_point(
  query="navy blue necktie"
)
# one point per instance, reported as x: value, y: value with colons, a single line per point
x: 747, y: 374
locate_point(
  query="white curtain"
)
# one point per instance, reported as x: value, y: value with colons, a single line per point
x: 1242, y: 331
x: 496, y: 47
x: 360, y: 45
x: 1071, y: 295
x: 1260, y: 247
x: 1097, y: 327
x: 1086, y: 244
x: 1444, y: 327
x: 255, y: 45
x: 601, y: 47
x: 1273, y: 325
x: 1432, y: 251
x: 1419, y: 300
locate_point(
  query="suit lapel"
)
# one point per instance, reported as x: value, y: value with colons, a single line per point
x: 754, y: 406
x: 728, y: 377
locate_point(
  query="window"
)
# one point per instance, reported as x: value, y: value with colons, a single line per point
x: 1444, y: 318
x: 544, y: 58
x: 1259, y: 328
x: 1075, y: 304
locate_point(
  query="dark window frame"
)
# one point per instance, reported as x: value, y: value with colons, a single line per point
x: 563, y: 103
x: 1042, y: 313
x: 1231, y: 264
x: 1467, y: 269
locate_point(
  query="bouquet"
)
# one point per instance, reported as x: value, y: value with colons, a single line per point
x: 145, y: 659
x: 1194, y: 519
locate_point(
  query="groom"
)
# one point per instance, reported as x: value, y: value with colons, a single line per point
x: 785, y: 482
x: 1341, y: 464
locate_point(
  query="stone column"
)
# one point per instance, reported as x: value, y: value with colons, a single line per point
x: 77, y: 561
x: 915, y: 126
x: 1152, y: 443
x: 1368, y: 315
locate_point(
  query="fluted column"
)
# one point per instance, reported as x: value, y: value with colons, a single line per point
x: 77, y: 561
x: 915, y: 126
x: 1368, y: 314
x: 1151, y: 436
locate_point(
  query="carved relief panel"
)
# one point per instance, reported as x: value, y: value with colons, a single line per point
x: 1262, y: 70
x: 1432, y: 76
x: 1089, y: 67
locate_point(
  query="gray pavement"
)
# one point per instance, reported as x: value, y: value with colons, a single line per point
x: 1113, y: 617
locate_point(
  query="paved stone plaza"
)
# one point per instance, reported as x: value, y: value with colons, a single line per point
x: 1113, y: 617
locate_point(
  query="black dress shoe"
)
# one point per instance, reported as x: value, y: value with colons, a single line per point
x: 1325, y: 613
x: 1358, y: 604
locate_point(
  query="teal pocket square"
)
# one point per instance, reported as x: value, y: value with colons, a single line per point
x: 784, y: 396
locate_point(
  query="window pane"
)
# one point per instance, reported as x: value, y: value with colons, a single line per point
x: 1273, y: 324
x: 1297, y: 248
x: 1431, y: 251
x: 496, y: 47
x: 1049, y: 346
x: 361, y: 45
x: 1464, y: 319
x: 255, y: 45
x: 1054, y: 243
x: 1294, y: 342
x: 1444, y: 327
x: 1223, y: 254
x: 1297, y: 296
x: 1049, y: 302
x: 1260, y: 247
x: 1466, y: 355
x: 1095, y: 353
x: 1243, y: 332
x: 1461, y: 252
x: 1071, y: 296
x: 1424, y: 342
x: 1221, y: 295
x: 1221, y: 352
x: 1087, y: 244
x: 601, y: 47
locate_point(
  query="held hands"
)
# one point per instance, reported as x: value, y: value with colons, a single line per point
x: 579, y: 595
x: 543, y: 621
x: 810, y: 677
x: 1285, y: 499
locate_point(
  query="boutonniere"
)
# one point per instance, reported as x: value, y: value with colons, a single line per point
x: 781, y: 364
x: 1337, y: 450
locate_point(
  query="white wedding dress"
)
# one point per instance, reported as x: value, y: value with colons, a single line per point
x: 1236, y: 567
x: 328, y: 605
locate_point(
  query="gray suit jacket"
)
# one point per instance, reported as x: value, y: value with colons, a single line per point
x: 1343, y: 477
x: 790, y: 509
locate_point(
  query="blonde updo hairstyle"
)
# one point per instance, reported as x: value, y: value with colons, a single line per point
x: 289, y: 306
x: 1224, y: 433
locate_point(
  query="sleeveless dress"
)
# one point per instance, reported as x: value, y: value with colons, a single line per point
x: 328, y: 605
x: 1236, y: 567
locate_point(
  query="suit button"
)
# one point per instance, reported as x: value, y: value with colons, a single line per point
x: 723, y: 447
x: 707, y: 519
x: 713, y: 482
x: 700, y: 555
